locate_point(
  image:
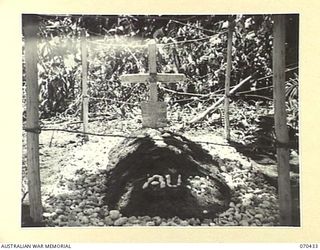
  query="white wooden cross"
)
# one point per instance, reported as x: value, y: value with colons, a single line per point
x: 154, y: 113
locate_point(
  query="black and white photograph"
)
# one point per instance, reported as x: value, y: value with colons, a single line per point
x: 160, y: 120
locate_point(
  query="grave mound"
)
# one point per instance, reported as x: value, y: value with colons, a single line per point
x: 162, y: 173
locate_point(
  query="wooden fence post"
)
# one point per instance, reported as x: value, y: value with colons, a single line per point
x: 227, y: 81
x: 85, y: 97
x: 30, y: 23
x: 280, y: 118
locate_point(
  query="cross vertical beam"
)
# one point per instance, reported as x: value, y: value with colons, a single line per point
x: 31, y: 59
x: 152, y: 62
x: 280, y: 118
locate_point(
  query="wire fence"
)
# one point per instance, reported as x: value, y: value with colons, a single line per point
x: 275, y: 143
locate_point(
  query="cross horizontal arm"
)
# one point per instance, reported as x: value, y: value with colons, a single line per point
x: 170, y: 77
x: 136, y: 78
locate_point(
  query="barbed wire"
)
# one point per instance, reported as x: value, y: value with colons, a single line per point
x: 195, y: 27
x: 112, y: 100
x: 185, y: 41
x: 252, y: 90
x: 39, y: 129
x: 108, y: 45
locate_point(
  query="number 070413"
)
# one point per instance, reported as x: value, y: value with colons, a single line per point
x: 308, y: 246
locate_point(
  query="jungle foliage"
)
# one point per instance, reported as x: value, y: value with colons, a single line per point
x: 193, y: 45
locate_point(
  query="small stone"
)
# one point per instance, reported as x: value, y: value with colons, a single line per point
x: 74, y: 224
x: 259, y: 216
x: 223, y: 222
x: 100, y: 224
x: 248, y: 216
x: 94, y: 215
x: 238, y: 217
x: 150, y: 223
x: 132, y: 219
x: 257, y: 191
x: 176, y: 220
x: 114, y: 214
x: 268, y: 224
x: 192, y: 222
x: 94, y: 221
x: 72, y: 216
x: 84, y: 220
x: 121, y: 221
x: 223, y: 168
x: 59, y: 211
x: 56, y: 221
x: 231, y: 204
x: 97, y: 189
x: 157, y: 220
x: 63, y: 223
x: 145, y: 218
x: 82, y: 204
x: 62, y: 196
x: 88, y: 211
x: 230, y: 211
x: 258, y: 222
x: 103, y: 212
x: 166, y: 135
x: 266, y: 204
x: 212, y: 224
x: 259, y: 210
x: 93, y: 200
x: 184, y: 223
x: 80, y: 214
x: 62, y: 217
x: 141, y: 223
x: 251, y: 211
x: 171, y: 223
x: 271, y: 219
x: 230, y: 223
x: 47, y: 215
x: 96, y: 209
x: 235, y: 223
x: 243, y: 223
x: 245, y: 216
x: 68, y: 202
x: 108, y: 221
x: 207, y: 221
x: 77, y: 210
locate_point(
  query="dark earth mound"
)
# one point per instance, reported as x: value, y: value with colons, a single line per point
x: 161, y: 173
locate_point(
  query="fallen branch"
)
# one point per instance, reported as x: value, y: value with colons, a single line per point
x: 260, y: 96
x: 112, y: 100
x: 217, y: 104
x: 183, y: 93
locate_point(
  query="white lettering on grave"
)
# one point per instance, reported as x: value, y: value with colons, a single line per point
x: 162, y: 182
